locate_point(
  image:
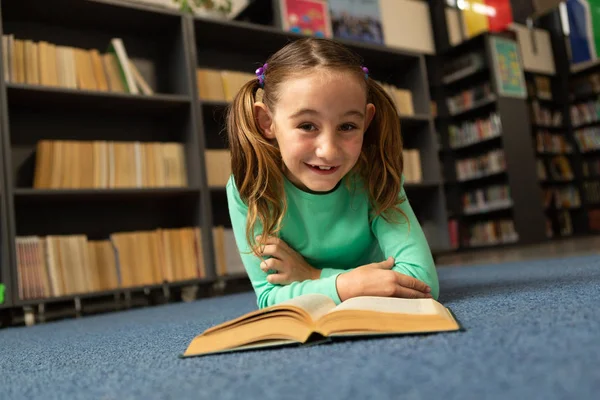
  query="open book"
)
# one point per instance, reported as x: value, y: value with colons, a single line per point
x: 315, y: 317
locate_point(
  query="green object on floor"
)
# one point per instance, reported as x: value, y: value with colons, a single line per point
x: 1, y: 293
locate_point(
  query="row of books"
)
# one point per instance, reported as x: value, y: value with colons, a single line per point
x: 559, y: 167
x: 468, y: 98
x: 547, y: 142
x: 71, y: 164
x: 540, y: 87
x: 585, y: 113
x: 486, y: 199
x: 476, y: 167
x: 561, y: 197
x: 60, y: 265
x: 591, y: 168
x: 588, y: 139
x: 223, y: 85
x: 43, y: 63
x: 491, y: 233
x: 471, y: 132
x: 591, y: 191
x: 544, y: 116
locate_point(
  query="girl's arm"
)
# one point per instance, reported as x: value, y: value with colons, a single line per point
x: 406, y: 243
x: 268, y: 294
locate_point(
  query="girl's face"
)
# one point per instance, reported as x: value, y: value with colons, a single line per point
x: 319, y: 123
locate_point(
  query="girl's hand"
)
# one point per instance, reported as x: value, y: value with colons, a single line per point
x: 290, y: 266
x: 378, y: 279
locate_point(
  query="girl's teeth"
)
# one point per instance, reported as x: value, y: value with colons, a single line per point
x: 325, y: 168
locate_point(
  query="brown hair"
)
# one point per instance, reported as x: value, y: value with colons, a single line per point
x: 256, y: 161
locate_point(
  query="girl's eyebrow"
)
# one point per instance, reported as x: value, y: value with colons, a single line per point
x: 315, y: 112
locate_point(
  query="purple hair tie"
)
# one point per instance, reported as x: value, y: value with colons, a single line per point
x: 260, y: 74
x: 366, y: 71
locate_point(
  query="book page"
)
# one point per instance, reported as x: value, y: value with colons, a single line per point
x: 389, y: 305
x: 316, y: 305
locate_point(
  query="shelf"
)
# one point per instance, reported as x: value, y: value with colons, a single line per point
x: 477, y: 143
x: 264, y: 40
x: 113, y: 292
x: 45, y: 97
x: 462, y: 74
x: 102, y: 15
x: 495, y: 206
x: 118, y: 193
x: 482, y: 176
x: 479, y: 104
x: 421, y: 185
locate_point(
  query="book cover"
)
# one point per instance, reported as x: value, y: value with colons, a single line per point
x: 307, y: 17
x: 358, y: 20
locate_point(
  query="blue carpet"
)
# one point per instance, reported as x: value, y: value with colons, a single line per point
x: 533, y: 331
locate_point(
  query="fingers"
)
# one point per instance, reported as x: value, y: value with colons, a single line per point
x: 412, y: 283
x: 271, y: 264
x: 273, y: 251
x: 407, y: 293
x: 273, y: 243
x: 387, y: 264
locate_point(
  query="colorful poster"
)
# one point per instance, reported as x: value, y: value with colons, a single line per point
x: 510, y: 79
x: 307, y: 17
x: 358, y: 20
x: 584, y: 24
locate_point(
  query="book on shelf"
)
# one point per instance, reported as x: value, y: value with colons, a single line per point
x: 469, y: 98
x: 223, y: 85
x: 561, y: 197
x: 412, y: 166
x: 540, y: 87
x: 59, y: 265
x: 218, y: 166
x: 228, y: 260
x: 585, y: 113
x: 72, y: 164
x: 315, y: 318
x: 592, y: 192
x: 588, y: 139
x: 471, y: 132
x: 47, y: 64
x: 491, y: 233
x: 544, y: 116
x: 485, y: 164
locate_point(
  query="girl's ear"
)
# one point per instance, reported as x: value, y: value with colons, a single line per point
x: 264, y: 120
x: 369, y: 115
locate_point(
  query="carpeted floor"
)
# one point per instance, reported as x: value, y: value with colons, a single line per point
x: 533, y: 332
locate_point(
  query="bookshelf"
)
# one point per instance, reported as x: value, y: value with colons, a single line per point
x: 576, y: 91
x: 128, y: 126
x: 492, y: 190
x: 41, y: 121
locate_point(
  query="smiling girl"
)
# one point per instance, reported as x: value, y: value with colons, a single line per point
x: 316, y: 196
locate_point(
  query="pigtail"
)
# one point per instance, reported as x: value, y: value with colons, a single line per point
x: 256, y: 167
x: 381, y: 163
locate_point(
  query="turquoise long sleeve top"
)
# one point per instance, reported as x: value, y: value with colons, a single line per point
x: 333, y: 233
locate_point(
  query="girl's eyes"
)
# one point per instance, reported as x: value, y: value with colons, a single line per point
x: 307, y: 127
x: 348, y: 127
x: 310, y: 127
